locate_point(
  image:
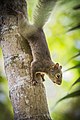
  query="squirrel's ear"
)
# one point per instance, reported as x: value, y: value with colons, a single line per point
x: 60, y: 67
x: 56, y: 66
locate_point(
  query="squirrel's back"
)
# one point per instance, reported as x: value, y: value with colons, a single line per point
x: 39, y: 46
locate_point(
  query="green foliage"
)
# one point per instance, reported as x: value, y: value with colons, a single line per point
x: 69, y: 13
x: 5, y: 107
x: 77, y: 81
x: 63, y: 36
x: 31, y: 5
x: 74, y: 67
x: 5, y: 103
x: 73, y: 94
x: 6, y: 112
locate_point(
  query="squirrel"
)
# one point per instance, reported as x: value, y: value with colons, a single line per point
x: 33, y: 33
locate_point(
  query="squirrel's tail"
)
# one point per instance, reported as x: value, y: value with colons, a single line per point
x: 42, y: 12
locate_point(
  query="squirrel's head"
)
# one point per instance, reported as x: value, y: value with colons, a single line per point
x: 55, y: 74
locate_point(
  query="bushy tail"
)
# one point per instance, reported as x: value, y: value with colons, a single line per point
x: 42, y: 12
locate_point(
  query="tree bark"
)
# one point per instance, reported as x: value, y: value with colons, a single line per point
x: 29, y: 102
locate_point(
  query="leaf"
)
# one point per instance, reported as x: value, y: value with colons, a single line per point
x: 78, y: 54
x: 75, y: 55
x: 73, y: 94
x: 74, y: 28
x: 78, y: 80
x: 76, y: 7
x: 74, y: 67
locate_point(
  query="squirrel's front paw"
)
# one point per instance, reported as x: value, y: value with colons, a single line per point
x: 34, y: 82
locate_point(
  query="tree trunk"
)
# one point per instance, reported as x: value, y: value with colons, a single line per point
x: 29, y: 102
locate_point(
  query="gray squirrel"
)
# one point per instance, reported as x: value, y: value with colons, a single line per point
x: 34, y: 34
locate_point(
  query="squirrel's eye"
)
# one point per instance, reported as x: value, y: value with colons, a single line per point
x: 58, y: 75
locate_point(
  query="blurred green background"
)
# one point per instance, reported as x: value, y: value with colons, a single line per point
x: 63, y: 37
x: 5, y: 104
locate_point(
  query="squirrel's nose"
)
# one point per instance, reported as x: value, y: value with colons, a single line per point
x: 58, y: 76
